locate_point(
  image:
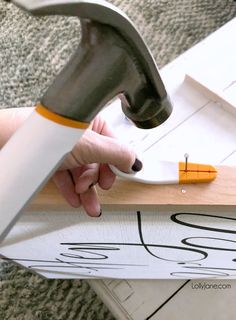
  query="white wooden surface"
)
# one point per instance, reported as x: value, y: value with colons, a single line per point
x: 168, y: 299
x: 147, y: 244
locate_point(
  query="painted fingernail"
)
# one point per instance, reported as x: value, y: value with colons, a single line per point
x: 137, y: 166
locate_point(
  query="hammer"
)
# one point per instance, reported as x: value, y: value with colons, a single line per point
x: 112, y: 59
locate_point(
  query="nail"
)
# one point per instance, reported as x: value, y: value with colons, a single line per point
x: 137, y: 166
x: 186, y: 162
x: 100, y: 214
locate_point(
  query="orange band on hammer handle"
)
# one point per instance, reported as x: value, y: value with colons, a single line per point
x: 60, y: 119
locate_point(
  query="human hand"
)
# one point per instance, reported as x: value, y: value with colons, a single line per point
x: 86, y: 165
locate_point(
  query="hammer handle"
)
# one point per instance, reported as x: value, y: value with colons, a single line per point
x: 27, y: 161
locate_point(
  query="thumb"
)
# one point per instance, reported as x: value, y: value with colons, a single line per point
x: 97, y: 148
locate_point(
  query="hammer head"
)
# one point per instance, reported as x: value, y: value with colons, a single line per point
x: 112, y: 59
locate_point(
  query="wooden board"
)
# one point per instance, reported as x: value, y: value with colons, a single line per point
x: 127, y: 193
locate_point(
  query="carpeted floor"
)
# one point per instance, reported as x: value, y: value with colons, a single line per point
x: 32, y: 52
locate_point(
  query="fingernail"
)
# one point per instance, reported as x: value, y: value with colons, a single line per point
x: 137, y: 166
x: 100, y: 214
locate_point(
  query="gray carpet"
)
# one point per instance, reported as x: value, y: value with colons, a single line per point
x: 31, y: 54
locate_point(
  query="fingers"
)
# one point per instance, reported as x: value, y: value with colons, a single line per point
x: 99, y: 146
x: 64, y: 182
x: 88, y: 165
x: 77, y: 187
x: 91, y: 175
x: 85, y: 181
x: 96, y: 148
x: 106, y: 177
x: 100, y: 126
x: 86, y: 177
x: 90, y: 202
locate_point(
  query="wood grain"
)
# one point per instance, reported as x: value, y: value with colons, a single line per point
x: 220, y: 192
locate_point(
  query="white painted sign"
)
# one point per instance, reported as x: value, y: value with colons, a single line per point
x: 162, y: 243
x: 133, y: 244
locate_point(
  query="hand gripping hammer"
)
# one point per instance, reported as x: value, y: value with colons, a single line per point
x: 112, y: 59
